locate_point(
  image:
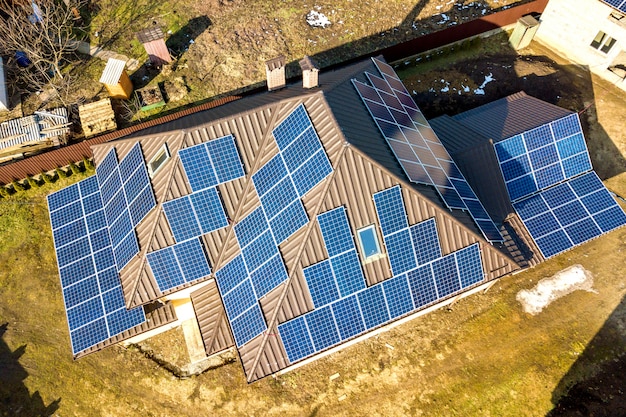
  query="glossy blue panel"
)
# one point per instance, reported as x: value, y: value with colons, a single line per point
x: 398, y: 295
x: 321, y: 282
x: 269, y: 276
x: 165, y: 268
x: 373, y: 306
x: 336, y: 231
x: 446, y: 275
x: 554, y: 243
x: 400, y: 252
x: 390, y: 209
x: 470, y: 265
x: 225, y: 159
x: 290, y: 128
x: 182, y: 219
x: 229, y: 276
x: 249, y: 325
x: 80, y: 291
x: 192, y: 260
x: 348, y: 317
x: 240, y: 299
x: 289, y: 221
x: 251, y: 227
x: 209, y: 210
x: 63, y: 197
x: 259, y: 251
x: 348, y: 272
x: 312, y: 172
x: 425, y: 241
x: 322, y: 328
x: 269, y: 175
x: 198, y: 167
x: 296, y: 339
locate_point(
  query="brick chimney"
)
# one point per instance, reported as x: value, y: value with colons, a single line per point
x: 310, y: 69
x: 275, y: 71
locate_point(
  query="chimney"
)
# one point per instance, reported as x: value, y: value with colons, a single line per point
x: 275, y: 71
x: 310, y: 69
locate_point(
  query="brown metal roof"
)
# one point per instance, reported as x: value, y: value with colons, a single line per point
x: 510, y: 116
x: 363, y: 165
x: 150, y: 34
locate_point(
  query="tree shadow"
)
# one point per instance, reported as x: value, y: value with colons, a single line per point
x: 179, y: 42
x: 14, y: 396
x: 589, y: 389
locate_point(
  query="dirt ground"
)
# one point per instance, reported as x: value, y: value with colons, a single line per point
x: 481, y: 357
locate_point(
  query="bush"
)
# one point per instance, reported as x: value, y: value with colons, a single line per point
x: 17, y: 186
x: 88, y: 164
x: 61, y: 173
x: 74, y: 168
x: 48, y: 179
x: 33, y: 183
x: 4, y: 191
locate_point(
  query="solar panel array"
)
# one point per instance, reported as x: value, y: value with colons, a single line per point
x: 570, y: 213
x: 542, y: 157
x: 345, y: 311
x: 298, y: 167
x: 618, y: 4
x: 211, y: 163
x: 127, y: 197
x: 92, y: 291
x: 179, y: 264
x: 416, y: 146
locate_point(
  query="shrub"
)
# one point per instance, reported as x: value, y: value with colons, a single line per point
x: 17, y: 186
x: 4, y: 191
x: 74, y: 168
x: 33, y: 183
x: 88, y: 164
x: 61, y: 173
x: 48, y: 179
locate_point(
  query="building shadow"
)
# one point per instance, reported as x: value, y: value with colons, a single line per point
x: 179, y: 42
x: 15, y: 398
x: 595, y: 390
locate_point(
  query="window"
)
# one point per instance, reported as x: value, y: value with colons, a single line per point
x: 368, y: 239
x: 603, y: 42
x: 616, y: 17
x: 158, y: 160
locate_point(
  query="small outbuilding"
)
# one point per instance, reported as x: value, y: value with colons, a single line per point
x: 116, y: 80
x: 153, y: 41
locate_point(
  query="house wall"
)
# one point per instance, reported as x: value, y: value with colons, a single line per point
x: 569, y: 27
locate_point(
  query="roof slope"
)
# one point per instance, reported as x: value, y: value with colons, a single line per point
x: 510, y: 116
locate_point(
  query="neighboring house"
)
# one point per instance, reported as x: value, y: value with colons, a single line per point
x: 285, y: 224
x: 589, y: 32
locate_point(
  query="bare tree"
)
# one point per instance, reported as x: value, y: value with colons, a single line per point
x: 43, y: 32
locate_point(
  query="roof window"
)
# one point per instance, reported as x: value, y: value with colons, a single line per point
x: 158, y: 160
x: 368, y: 240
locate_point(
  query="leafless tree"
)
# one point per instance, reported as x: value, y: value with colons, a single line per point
x: 44, y: 32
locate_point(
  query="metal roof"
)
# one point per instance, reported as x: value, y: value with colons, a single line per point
x: 43, y: 125
x: 112, y: 71
x: 510, y: 116
x: 150, y: 34
x: 363, y: 165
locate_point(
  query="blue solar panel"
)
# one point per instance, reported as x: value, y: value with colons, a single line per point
x: 530, y: 207
x: 400, y: 252
x: 165, y: 268
x: 92, y: 203
x: 182, y: 219
x: 586, y: 184
x: 582, y: 231
x: 521, y: 187
x: 312, y: 172
x: 81, y: 291
x: 426, y: 241
x: 229, y: 276
x: 543, y: 157
x: 259, y: 251
x: 140, y: 207
x: 70, y: 232
x: 336, y: 231
x: 598, y: 201
x: 577, y: 164
x: 63, y: 197
x: 321, y: 282
x: 73, y: 251
x: 108, y: 279
x: 446, y: 275
x: 99, y: 239
x: 390, y: 209
x: 270, y: 275
x: 250, y: 227
x: 398, y: 296
x: 111, y: 186
x: 558, y: 195
x: 422, y: 284
x: 135, y: 184
x: 510, y: 148
x: 290, y: 128
x: 249, y: 325
x: 85, y: 312
x: 115, y: 207
x: 66, y: 214
x: 542, y: 224
x: 566, y: 126
x: 301, y: 149
x: 570, y: 213
x: 549, y: 176
x: 225, y: 159
x: 77, y: 271
x: 120, y: 229
x: 113, y: 300
x: 209, y: 210
x: 610, y: 218
x: 269, y: 175
x: 198, y: 167
x: 571, y: 146
x: 288, y: 221
x: 515, y: 168
x: 104, y: 259
x: 322, y: 328
x: 278, y: 198
x: 89, y: 335
x: 240, y: 299
x: 553, y: 243
x: 538, y: 137
x: 192, y: 260
x: 470, y: 265
x: 296, y: 339
x: 348, y: 317
x: 348, y: 272
x: 373, y: 306
x: 123, y: 319
x: 106, y: 167
x: 131, y: 162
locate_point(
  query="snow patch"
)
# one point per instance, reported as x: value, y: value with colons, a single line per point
x: 317, y: 19
x: 550, y: 289
x: 480, y: 91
